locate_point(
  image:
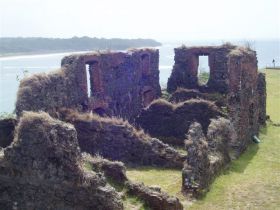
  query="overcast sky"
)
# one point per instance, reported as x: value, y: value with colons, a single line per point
x: 159, y: 19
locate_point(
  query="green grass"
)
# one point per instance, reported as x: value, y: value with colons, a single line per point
x: 170, y: 180
x: 203, y: 78
x: 273, y: 94
x: 133, y: 203
x: 250, y: 182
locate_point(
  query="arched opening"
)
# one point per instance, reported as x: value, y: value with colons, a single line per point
x: 203, y: 69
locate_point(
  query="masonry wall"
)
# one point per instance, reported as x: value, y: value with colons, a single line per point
x: 234, y: 74
x: 262, y: 98
x: 116, y: 139
x: 243, y: 97
x: 122, y: 83
x: 185, y: 70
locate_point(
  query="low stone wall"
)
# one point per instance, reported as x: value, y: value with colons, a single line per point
x: 182, y: 94
x: 42, y: 169
x: 115, y: 139
x: 113, y: 170
x: 206, y: 154
x: 170, y: 122
x: 154, y: 197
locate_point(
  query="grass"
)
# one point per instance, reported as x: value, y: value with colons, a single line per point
x: 133, y: 203
x: 203, y: 78
x: 250, y: 182
x: 273, y: 94
x: 170, y: 180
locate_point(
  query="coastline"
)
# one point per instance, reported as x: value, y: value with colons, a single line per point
x: 37, y: 54
x: 10, y: 56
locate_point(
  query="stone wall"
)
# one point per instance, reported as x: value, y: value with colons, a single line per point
x: 42, y: 169
x: 115, y: 139
x: 243, y: 96
x: 233, y: 75
x: 262, y: 98
x: 185, y: 70
x: 170, y: 122
x: 154, y: 197
x: 121, y: 84
x: 206, y: 154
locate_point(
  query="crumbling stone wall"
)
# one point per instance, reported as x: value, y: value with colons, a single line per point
x: 206, y: 154
x: 42, y: 169
x: 262, y: 98
x: 243, y: 96
x: 185, y: 69
x: 121, y: 84
x: 234, y: 74
x: 170, y: 122
x: 183, y: 94
x: 115, y: 139
x: 154, y: 197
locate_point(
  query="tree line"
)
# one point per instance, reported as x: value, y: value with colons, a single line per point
x: 39, y: 44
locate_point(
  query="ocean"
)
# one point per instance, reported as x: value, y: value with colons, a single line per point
x: 14, y: 68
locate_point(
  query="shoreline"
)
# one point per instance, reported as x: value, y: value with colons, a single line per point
x: 9, y: 56
x: 33, y: 54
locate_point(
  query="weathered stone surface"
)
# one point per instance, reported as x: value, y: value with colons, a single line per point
x: 115, y: 139
x: 154, y: 198
x: 185, y: 69
x: 182, y: 94
x: 207, y: 154
x: 7, y: 127
x: 42, y: 169
x: 196, y: 171
x: 121, y: 84
x: 170, y: 122
x: 113, y: 170
x: 262, y: 98
x: 222, y: 139
x: 234, y: 74
x: 243, y: 97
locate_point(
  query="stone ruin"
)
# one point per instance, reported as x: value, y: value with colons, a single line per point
x: 234, y: 85
x: 87, y: 97
x: 44, y: 169
x: 107, y: 83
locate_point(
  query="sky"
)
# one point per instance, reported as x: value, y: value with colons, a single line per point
x: 163, y: 20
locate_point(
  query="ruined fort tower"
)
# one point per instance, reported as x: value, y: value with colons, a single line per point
x: 234, y: 75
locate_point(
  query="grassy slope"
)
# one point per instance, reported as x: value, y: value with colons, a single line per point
x: 251, y: 182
